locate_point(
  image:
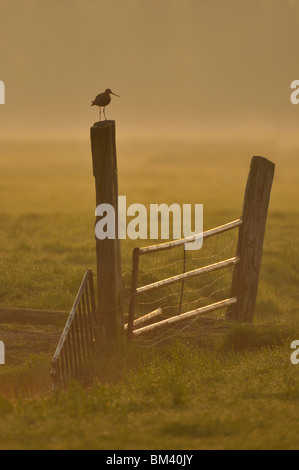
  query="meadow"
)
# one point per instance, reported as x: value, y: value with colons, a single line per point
x: 217, y: 386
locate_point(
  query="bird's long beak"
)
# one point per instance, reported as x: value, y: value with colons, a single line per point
x: 115, y: 94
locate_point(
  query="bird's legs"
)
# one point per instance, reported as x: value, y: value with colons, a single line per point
x: 104, y: 113
x: 100, y: 113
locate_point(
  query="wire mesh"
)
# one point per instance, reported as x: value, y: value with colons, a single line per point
x: 189, y: 294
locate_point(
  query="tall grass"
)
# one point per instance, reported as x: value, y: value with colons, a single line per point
x: 180, y: 398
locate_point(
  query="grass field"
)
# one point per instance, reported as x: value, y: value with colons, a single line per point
x: 220, y: 385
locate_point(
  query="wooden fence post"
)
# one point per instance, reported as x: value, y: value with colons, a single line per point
x: 108, y: 250
x: 133, y: 292
x: 251, y: 238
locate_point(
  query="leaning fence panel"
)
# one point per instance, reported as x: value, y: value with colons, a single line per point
x: 77, y: 340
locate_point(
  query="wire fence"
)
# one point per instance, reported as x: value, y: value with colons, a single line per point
x: 183, y: 284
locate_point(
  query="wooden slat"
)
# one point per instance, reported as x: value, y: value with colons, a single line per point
x: 185, y: 316
x: 188, y: 275
x: 145, y: 318
x: 182, y: 241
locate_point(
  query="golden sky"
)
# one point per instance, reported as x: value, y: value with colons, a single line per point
x: 183, y: 68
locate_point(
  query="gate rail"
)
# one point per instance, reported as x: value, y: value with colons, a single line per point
x: 137, y: 252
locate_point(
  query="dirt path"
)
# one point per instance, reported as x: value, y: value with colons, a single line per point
x: 25, y: 332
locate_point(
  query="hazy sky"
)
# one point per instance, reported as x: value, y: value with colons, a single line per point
x: 189, y: 68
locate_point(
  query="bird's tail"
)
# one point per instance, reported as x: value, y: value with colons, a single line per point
x: 92, y: 103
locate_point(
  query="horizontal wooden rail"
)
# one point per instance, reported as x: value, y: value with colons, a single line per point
x: 185, y: 316
x: 182, y: 241
x: 188, y: 275
x: 145, y: 318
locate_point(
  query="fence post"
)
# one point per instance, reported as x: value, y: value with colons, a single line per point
x: 133, y: 292
x: 104, y: 160
x: 251, y: 238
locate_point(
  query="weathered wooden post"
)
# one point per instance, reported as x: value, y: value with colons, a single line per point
x: 107, y: 250
x: 251, y: 238
x: 133, y: 292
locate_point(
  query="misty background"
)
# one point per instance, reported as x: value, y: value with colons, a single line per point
x: 192, y: 69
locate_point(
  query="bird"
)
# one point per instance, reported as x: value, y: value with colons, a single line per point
x: 102, y: 100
